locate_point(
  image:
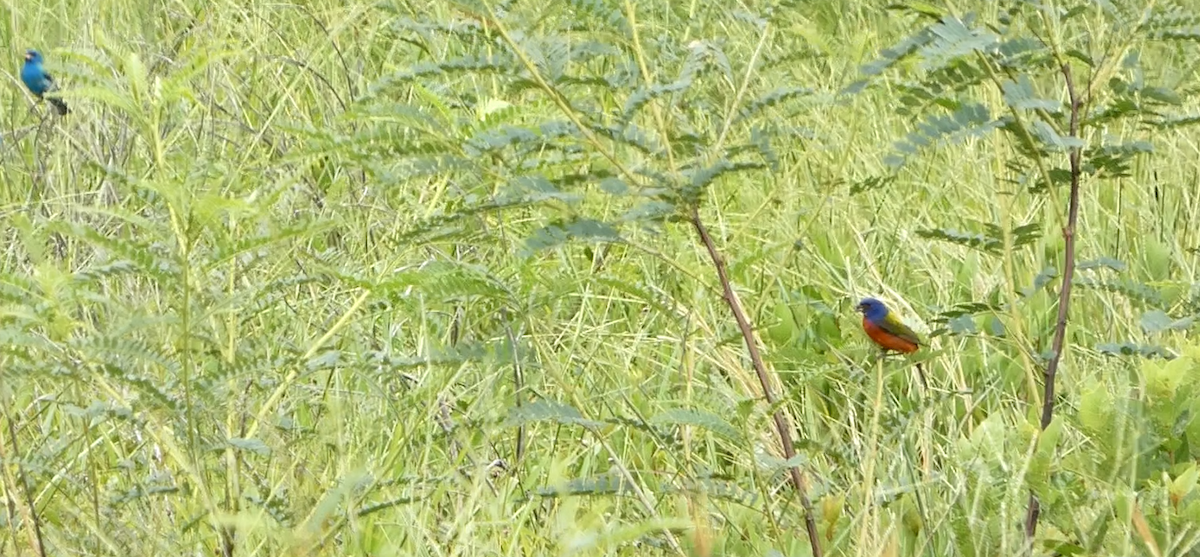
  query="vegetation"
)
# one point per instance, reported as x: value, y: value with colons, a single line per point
x: 503, y: 278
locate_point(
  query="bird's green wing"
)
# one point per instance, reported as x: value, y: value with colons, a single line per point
x: 894, y: 326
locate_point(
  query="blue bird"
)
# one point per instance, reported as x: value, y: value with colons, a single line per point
x: 38, y: 81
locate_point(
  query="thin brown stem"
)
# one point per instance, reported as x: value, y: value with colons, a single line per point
x: 781, y: 422
x: 1064, y: 295
x: 34, y: 522
x: 518, y: 385
x: 924, y: 379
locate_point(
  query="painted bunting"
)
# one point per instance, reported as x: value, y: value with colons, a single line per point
x: 38, y: 81
x: 887, y: 331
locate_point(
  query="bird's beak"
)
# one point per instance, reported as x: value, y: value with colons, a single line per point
x: 859, y: 308
x: 28, y: 57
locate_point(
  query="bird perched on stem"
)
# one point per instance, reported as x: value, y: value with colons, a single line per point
x: 39, y: 82
x: 888, y: 332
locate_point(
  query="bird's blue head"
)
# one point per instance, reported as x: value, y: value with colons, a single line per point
x: 33, y: 57
x: 872, y: 309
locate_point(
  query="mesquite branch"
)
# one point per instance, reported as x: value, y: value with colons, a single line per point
x: 781, y: 422
x: 1064, y: 295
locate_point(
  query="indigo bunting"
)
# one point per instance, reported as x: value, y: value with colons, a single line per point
x: 38, y: 81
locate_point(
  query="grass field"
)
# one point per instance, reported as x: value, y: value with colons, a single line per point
x: 346, y: 278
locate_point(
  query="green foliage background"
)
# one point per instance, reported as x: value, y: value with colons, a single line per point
x: 300, y: 278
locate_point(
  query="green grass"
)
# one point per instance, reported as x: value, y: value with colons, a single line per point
x: 256, y: 299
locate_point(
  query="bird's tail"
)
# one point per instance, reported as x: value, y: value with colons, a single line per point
x: 59, y: 105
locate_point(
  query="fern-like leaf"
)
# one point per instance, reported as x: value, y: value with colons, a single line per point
x: 445, y: 280
x: 645, y: 293
x: 461, y: 28
x: 141, y: 383
x: 968, y: 121
x: 1019, y: 94
x: 699, y: 179
x: 703, y: 55
x: 1113, y: 161
x: 698, y: 418
x: 1172, y: 21
x: 720, y: 489
x: 1134, y: 349
x: 150, y: 258
x: 871, y: 183
x: 554, y: 235
x: 771, y: 99
x: 1132, y: 290
x: 608, y: 13
x: 494, y: 140
x: 547, y: 411
x: 893, y: 55
x: 451, y: 357
x: 495, y: 63
x: 954, y: 38
x: 1040, y: 281
x: 989, y: 242
x: 972, y: 240
x: 643, y: 96
x: 629, y: 134
x: 608, y: 484
x: 1157, y: 321
x: 1102, y: 263
x: 1173, y: 122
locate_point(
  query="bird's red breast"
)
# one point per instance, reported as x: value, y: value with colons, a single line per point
x: 887, y: 340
